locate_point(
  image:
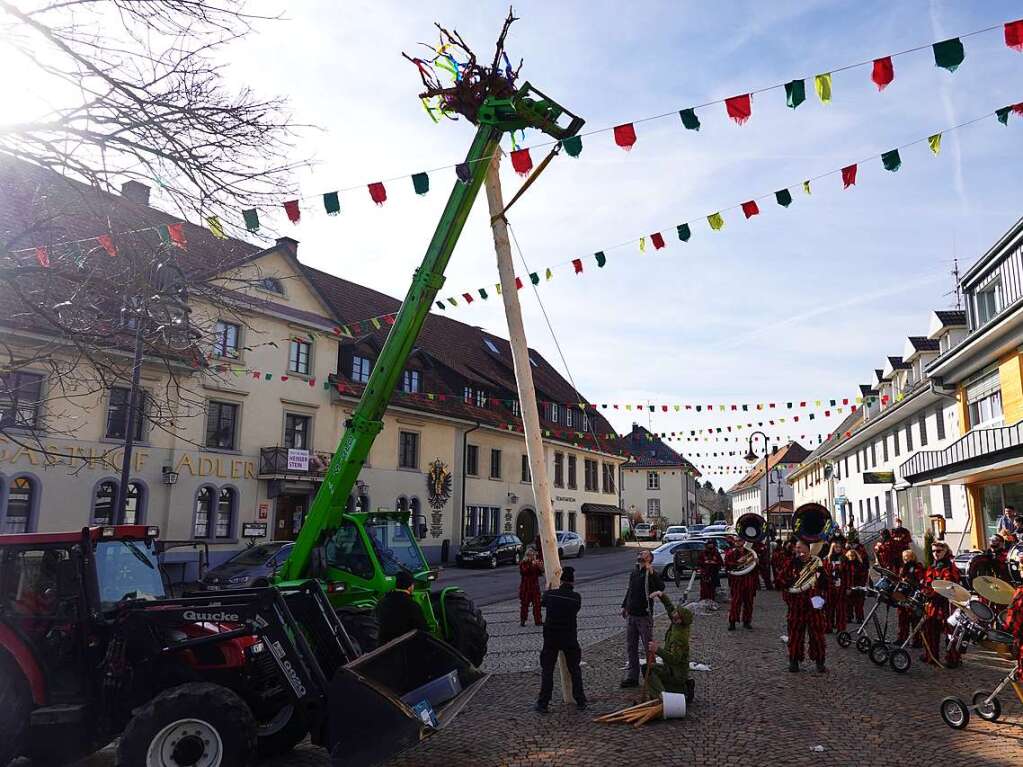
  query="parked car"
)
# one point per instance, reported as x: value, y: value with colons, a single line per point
x: 664, y: 555
x: 490, y: 550
x: 675, y: 533
x: 644, y: 531
x: 694, y: 529
x: 717, y: 529
x: 250, y: 567
x: 570, y: 545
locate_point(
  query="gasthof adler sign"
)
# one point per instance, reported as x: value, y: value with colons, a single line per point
x: 879, y: 478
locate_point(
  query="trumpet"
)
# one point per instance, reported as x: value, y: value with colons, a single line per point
x: 750, y: 528
x: 812, y: 524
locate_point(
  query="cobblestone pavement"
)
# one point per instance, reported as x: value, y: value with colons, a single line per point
x: 748, y: 710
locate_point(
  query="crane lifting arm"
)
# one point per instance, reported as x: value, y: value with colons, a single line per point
x: 495, y: 117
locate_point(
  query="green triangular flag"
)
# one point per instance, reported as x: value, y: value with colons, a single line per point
x: 683, y: 232
x: 689, y: 119
x: 269, y: 376
x: 795, y: 93
x: 421, y: 183
x: 534, y: 278
x: 164, y: 235
x: 331, y: 203
x: 601, y: 258
x: 891, y: 160
x: 1003, y: 115
x: 251, y: 219
x: 783, y: 197
x: 483, y: 294
x: 573, y: 145
x: 441, y: 306
x: 949, y: 54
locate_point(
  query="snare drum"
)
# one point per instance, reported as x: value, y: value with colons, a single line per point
x: 980, y: 612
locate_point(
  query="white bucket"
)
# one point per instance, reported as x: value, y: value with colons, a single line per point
x: 674, y: 705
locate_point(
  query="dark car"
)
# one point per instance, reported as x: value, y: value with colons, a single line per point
x: 490, y: 550
x: 253, y: 566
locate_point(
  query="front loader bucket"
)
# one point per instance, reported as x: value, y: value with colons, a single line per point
x: 371, y: 715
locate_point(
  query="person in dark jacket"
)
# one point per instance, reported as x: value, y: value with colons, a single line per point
x: 638, y: 611
x: 559, y: 635
x: 397, y: 612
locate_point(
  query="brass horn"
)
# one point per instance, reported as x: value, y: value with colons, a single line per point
x: 749, y: 528
x: 812, y: 524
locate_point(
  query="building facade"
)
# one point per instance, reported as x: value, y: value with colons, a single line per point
x: 765, y: 485
x: 657, y: 484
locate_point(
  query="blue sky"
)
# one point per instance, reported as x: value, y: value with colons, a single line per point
x: 797, y: 304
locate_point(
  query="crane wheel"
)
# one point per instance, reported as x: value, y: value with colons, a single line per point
x: 362, y: 626
x: 467, y: 628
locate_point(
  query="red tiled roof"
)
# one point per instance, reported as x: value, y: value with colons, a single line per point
x: 649, y: 451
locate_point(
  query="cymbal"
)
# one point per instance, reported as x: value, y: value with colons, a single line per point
x: 993, y: 589
x: 953, y: 592
x: 884, y: 572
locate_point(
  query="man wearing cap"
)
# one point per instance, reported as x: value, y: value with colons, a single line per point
x: 559, y: 635
x: 673, y: 674
x: 937, y: 609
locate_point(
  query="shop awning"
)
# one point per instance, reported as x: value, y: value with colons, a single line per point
x: 601, y: 508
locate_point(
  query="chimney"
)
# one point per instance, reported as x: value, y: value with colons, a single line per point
x: 289, y: 245
x: 135, y: 191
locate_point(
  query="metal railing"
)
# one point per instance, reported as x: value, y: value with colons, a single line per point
x: 974, y: 444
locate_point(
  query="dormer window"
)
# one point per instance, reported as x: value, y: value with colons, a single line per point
x: 271, y: 285
x: 516, y: 408
x: 361, y: 368
x: 477, y: 397
x: 490, y: 345
x: 555, y: 412
x: 411, y: 382
x: 987, y: 303
x: 569, y: 418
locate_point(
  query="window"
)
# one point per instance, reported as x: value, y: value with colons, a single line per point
x: 877, y: 507
x: 103, y: 503
x: 225, y: 512
x: 653, y: 480
x: 221, y: 425
x: 472, y: 460
x: 845, y: 472
x: 609, y: 478
x: 984, y: 398
x: 225, y: 340
x: 526, y: 476
x: 490, y: 345
x: 20, y: 393
x: 296, y: 431
x: 299, y: 352
x: 516, y: 408
x: 203, y: 509
x: 559, y: 520
x: 860, y: 503
x: 571, y: 473
x: 555, y: 413
x: 987, y: 303
x: 410, y: 382
x: 569, y: 417
x: 408, y: 450
x: 361, y: 367
x: 909, y: 436
x: 888, y: 505
x: 940, y: 420
x: 347, y: 552
x: 895, y: 441
x: 21, y: 497
x: 134, y: 505
x: 858, y: 469
x: 495, y: 463
x: 571, y: 521
x: 873, y: 455
x: 559, y: 469
x: 946, y: 499
x: 482, y: 520
x: 590, y: 478
x: 272, y: 285
x: 117, y: 413
x: 923, y: 429
x: 653, y: 508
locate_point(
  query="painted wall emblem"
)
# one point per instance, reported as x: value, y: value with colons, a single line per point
x: 438, y: 485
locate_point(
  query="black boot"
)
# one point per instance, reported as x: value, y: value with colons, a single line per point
x: 748, y: 625
x: 731, y: 625
x: 793, y: 666
x: 821, y: 669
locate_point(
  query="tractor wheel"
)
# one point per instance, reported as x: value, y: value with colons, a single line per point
x: 281, y: 733
x: 16, y: 703
x: 362, y: 626
x: 467, y: 628
x: 196, y: 724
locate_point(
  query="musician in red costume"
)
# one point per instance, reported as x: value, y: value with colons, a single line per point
x: 857, y: 556
x: 781, y: 560
x: 530, y: 570
x: 911, y: 576
x: 937, y: 609
x: 806, y: 618
x: 840, y: 577
x: 743, y: 587
x: 902, y: 539
x: 1014, y: 625
x: 708, y: 564
x: 991, y: 561
x: 883, y: 551
x: 763, y: 563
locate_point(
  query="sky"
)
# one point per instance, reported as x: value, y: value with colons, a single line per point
x: 797, y: 304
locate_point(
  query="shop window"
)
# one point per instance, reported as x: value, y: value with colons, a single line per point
x: 22, y: 498
x: 226, y: 502
x: 559, y: 520
x: 571, y: 521
x: 482, y: 520
x: 134, y: 504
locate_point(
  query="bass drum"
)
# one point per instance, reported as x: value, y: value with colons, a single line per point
x: 1014, y: 559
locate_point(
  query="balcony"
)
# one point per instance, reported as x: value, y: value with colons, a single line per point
x: 978, y: 450
x: 273, y: 462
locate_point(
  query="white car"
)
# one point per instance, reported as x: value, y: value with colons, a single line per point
x: 675, y: 533
x: 644, y: 531
x: 570, y: 545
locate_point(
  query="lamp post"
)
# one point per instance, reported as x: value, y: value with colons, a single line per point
x: 752, y: 458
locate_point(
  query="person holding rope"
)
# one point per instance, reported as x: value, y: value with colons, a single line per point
x: 673, y: 674
x: 936, y: 609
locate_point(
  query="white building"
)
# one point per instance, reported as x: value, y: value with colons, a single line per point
x: 658, y: 483
x: 765, y: 486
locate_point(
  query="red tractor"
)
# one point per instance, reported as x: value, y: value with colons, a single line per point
x: 92, y: 649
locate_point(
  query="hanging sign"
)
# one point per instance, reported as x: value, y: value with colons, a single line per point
x: 298, y: 460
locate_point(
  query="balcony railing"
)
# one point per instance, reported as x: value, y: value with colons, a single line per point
x: 274, y: 461
x: 977, y: 447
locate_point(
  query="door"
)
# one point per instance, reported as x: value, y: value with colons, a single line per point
x: 289, y: 516
x: 525, y: 526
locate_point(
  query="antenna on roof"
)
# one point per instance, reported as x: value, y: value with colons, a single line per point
x: 955, y: 276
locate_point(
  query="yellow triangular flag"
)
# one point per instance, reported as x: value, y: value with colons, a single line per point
x: 549, y: 273
x: 822, y: 84
x: 497, y: 285
x: 716, y: 222
x: 806, y: 187
x: 934, y: 142
x: 642, y: 244
x: 216, y: 228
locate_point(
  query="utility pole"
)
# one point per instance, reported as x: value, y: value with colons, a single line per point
x: 527, y: 393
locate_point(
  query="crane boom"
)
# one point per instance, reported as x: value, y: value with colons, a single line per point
x: 496, y: 117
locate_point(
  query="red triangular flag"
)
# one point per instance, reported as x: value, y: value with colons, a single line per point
x: 467, y: 297
x: 43, y: 257
x: 378, y: 193
x: 625, y: 136
x: 518, y: 283
x: 884, y: 72
x: 177, y: 234
x: 657, y: 240
x: 577, y: 264
x: 107, y: 243
x: 291, y: 208
x: 739, y: 108
x: 1014, y: 35
x: 521, y: 161
x: 750, y: 209
x: 848, y: 176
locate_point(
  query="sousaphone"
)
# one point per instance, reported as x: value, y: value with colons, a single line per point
x: 813, y: 525
x: 749, y: 528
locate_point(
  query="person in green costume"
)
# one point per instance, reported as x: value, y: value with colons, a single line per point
x: 673, y: 674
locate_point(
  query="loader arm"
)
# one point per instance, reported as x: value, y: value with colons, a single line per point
x: 496, y: 117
